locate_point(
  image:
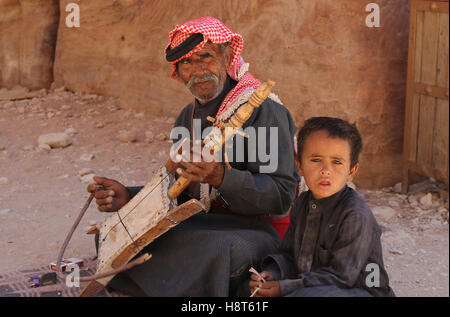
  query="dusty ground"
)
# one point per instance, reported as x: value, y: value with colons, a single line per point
x: 41, y: 191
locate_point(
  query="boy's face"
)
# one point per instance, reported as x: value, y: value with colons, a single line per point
x: 325, y: 164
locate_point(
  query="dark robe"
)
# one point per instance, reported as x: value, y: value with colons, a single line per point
x: 210, y: 254
x: 342, y: 249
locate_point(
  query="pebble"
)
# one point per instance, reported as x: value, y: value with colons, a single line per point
x: 161, y: 137
x: 87, y: 178
x: 4, y: 212
x: 127, y: 136
x: 396, y: 251
x: 85, y: 171
x: 100, y: 125
x: 383, y: 212
x: 3, y: 180
x: 44, y: 147
x: 427, y: 200
x: 2, y: 148
x: 28, y: 148
x: 87, y: 157
x: 55, y: 140
x: 149, y: 136
x: 71, y: 131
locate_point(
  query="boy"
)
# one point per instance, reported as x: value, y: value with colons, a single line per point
x: 332, y: 246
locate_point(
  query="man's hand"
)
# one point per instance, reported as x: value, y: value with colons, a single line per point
x: 270, y: 288
x: 112, y: 196
x: 203, y: 172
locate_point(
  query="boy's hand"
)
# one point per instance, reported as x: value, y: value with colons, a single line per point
x: 270, y: 288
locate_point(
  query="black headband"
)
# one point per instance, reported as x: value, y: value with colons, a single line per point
x: 188, y: 45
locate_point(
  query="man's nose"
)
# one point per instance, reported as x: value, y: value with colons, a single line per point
x: 199, y: 69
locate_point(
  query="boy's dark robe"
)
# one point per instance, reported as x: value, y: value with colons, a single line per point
x: 348, y: 240
x: 210, y: 254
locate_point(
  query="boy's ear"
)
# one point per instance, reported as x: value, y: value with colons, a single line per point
x: 352, y: 172
x: 299, y: 166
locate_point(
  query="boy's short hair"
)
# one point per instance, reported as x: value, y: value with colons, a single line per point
x: 336, y: 128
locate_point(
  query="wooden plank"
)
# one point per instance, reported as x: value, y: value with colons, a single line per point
x: 428, y: 171
x: 414, y: 128
x: 417, y: 46
x: 426, y: 124
x: 442, y: 62
x: 430, y: 48
x: 440, y: 137
x: 433, y: 6
x: 433, y: 91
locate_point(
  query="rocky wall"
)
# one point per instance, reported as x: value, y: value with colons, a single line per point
x: 324, y: 58
x: 27, y: 42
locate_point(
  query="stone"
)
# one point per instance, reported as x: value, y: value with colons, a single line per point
x: 383, y: 212
x: 396, y: 252
x: 398, y: 188
x: 28, y: 148
x: 44, y: 147
x: 2, y: 148
x: 71, y: 131
x: 87, y: 157
x: 149, y: 136
x: 100, y: 125
x: 86, y: 171
x: 3, y: 180
x: 427, y: 200
x: 88, y: 178
x: 55, y: 140
x: 161, y: 137
x: 127, y: 136
x: 4, y: 212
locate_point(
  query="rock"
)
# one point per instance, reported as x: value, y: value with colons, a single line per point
x: 86, y: 171
x: 44, y: 147
x: 100, y: 125
x: 427, y: 200
x: 149, y: 136
x: 393, y: 202
x: 127, y: 136
x: 398, y: 188
x: 2, y: 148
x: 442, y: 193
x: 55, y: 140
x: 71, y: 131
x: 87, y: 157
x: 28, y: 148
x: 396, y: 251
x: 161, y: 137
x: 4, y: 212
x: 88, y: 178
x: 3, y: 180
x: 383, y: 212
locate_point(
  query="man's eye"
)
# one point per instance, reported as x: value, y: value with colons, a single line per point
x: 185, y: 61
x: 206, y: 55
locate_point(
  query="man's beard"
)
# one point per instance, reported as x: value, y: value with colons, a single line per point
x: 205, y: 98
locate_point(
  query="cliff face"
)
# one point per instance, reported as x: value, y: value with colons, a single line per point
x: 27, y: 42
x: 321, y: 54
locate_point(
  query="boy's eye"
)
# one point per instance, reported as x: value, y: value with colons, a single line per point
x: 315, y: 160
x: 337, y: 162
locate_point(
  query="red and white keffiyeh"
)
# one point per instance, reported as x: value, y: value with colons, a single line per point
x: 216, y: 32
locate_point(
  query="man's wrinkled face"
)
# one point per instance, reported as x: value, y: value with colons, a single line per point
x: 205, y: 72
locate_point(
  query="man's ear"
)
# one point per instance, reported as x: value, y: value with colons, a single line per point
x: 352, y: 172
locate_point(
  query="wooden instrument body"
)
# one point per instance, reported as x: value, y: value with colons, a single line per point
x: 144, y: 218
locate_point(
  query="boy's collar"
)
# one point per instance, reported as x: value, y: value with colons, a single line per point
x: 328, y: 202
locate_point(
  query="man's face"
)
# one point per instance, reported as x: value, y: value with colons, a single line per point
x: 205, y: 72
x: 325, y: 164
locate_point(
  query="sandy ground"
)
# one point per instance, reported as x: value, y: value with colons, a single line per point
x: 41, y: 191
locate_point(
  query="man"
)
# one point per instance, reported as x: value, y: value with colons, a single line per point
x: 210, y: 254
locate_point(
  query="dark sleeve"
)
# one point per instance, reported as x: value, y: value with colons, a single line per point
x: 349, y: 255
x: 255, y: 190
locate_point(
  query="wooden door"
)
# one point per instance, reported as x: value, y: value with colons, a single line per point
x: 426, y: 143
